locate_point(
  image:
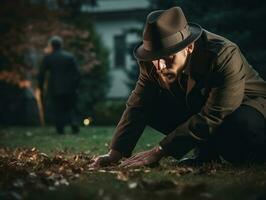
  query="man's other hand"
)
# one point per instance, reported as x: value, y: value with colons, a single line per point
x: 146, y: 158
x: 112, y: 157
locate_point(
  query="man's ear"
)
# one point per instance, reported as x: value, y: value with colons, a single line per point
x: 190, y: 48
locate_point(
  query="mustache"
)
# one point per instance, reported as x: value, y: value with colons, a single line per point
x: 166, y: 73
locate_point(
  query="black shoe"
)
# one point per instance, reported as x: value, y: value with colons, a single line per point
x: 197, y: 161
x: 190, y: 162
x: 203, y: 153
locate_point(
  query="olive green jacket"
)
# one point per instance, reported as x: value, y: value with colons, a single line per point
x: 221, y: 77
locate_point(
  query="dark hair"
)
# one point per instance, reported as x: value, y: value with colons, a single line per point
x: 56, y: 42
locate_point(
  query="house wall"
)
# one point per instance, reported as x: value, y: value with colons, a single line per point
x: 113, y: 18
x: 107, y: 31
x: 115, y: 5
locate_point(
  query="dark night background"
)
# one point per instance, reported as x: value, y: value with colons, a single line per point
x: 26, y: 26
x: 37, y: 163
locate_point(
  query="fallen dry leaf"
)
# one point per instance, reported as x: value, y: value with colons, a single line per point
x: 23, y: 167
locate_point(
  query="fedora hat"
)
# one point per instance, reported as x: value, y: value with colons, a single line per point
x: 166, y: 32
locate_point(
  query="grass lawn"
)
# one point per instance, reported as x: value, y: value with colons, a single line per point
x: 167, y: 181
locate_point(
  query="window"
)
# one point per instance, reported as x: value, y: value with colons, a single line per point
x: 120, y: 50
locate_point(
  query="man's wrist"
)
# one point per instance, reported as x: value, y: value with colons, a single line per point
x: 114, y: 155
x: 159, y: 150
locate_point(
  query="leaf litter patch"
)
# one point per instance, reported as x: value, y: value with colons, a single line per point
x: 24, y: 169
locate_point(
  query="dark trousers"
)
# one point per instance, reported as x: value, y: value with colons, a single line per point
x: 240, y: 138
x: 64, y: 112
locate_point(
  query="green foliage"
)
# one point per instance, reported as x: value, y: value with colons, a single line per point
x: 26, y: 28
x: 95, y: 82
x: 108, y: 112
x: 14, y: 17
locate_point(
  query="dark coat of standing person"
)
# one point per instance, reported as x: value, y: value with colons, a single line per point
x: 197, y: 89
x: 62, y: 84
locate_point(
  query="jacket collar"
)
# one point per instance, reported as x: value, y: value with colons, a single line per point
x: 200, y: 62
x: 198, y: 66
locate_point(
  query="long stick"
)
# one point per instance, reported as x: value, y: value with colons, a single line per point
x: 40, y: 106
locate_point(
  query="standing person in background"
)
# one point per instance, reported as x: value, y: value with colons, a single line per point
x: 63, y: 83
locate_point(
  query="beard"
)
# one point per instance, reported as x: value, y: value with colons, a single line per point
x: 169, y: 75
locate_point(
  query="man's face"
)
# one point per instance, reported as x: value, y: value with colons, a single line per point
x: 169, y: 68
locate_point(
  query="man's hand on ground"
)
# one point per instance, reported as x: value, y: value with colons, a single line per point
x: 145, y: 158
x: 107, y: 159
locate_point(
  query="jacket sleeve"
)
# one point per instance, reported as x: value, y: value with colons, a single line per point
x: 132, y: 122
x: 41, y: 75
x: 226, y: 94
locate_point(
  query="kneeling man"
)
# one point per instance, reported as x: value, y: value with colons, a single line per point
x: 198, y: 89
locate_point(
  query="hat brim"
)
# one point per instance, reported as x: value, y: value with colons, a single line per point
x: 143, y: 55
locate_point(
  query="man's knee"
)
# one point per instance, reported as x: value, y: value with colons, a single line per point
x: 240, y: 134
x: 245, y: 119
